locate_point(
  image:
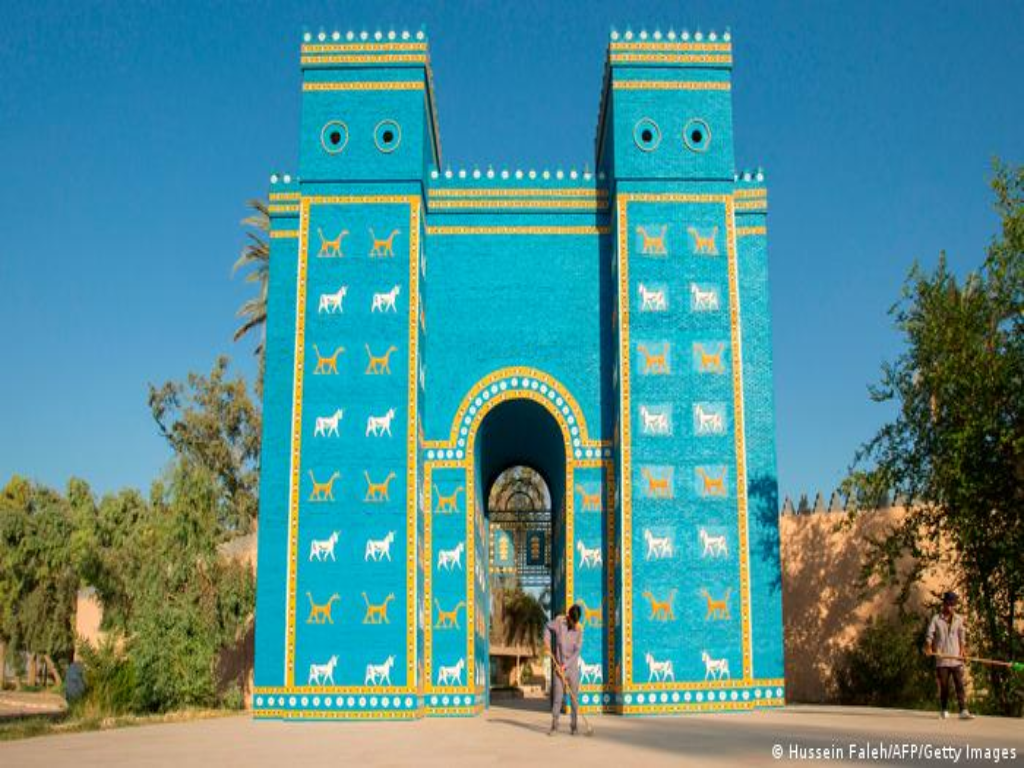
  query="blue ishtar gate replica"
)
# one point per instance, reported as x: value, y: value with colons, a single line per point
x: 607, y: 328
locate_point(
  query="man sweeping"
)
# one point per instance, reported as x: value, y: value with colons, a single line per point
x: 563, y: 641
x: 946, y: 639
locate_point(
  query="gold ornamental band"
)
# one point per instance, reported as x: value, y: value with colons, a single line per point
x: 511, y: 192
x: 670, y: 46
x: 392, y: 58
x: 365, y: 85
x: 582, y: 230
x: 671, y: 85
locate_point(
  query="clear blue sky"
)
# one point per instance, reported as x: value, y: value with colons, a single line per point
x: 132, y: 134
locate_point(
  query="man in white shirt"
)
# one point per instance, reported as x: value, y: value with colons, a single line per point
x: 946, y: 639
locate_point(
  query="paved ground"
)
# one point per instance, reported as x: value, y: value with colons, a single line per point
x: 514, y: 735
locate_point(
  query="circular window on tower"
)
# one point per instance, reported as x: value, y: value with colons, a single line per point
x: 387, y: 135
x: 647, y: 134
x: 697, y: 135
x: 334, y: 136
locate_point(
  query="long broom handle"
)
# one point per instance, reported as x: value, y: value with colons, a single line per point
x: 978, y: 659
x: 565, y: 683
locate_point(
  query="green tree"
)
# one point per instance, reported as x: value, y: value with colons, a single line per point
x: 955, y: 449
x: 110, y: 540
x: 213, y: 423
x: 522, y: 621
x: 884, y: 667
x: 188, y: 603
x: 255, y: 258
x: 38, y: 580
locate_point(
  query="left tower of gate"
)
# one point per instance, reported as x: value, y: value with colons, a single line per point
x: 337, y: 598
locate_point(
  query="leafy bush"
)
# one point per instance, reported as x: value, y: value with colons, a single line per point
x: 886, y: 667
x: 110, y: 680
x: 233, y: 698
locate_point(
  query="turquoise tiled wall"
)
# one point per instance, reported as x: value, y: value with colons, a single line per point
x: 627, y: 307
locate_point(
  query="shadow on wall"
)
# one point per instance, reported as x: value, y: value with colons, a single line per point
x: 763, y: 494
x: 824, y: 607
x: 236, y: 664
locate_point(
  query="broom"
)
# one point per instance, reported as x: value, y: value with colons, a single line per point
x: 568, y: 689
x: 1014, y: 666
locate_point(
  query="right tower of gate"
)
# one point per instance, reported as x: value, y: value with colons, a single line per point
x: 697, y: 616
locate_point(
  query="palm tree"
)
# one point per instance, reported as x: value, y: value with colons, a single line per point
x: 255, y: 254
x: 524, y: 622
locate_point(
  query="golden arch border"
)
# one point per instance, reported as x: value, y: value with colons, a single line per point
x: 491, y: 384
x: 458, y: 453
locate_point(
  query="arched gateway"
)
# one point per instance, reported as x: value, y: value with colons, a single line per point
x: 608, y: 329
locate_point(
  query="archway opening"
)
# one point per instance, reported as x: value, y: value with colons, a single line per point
x: 521, y: 463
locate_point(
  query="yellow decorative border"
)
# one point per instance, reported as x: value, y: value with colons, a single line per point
x: 362, y: 47
x: 275, y: 208
x: 512, y: 192
x: 365, y: 85
x: 757, y: 192
x: 284, y: 196
x: 752, y: 204
x: 339, y: 714
x: 749, y: 231
x: 524, y: 230
x: 671, y: 85
x: 625, y: 444
x: 669, y: 46
x: 669, y: 58
x: 450, y: 711
x: 413, y: 202
x: 386, y: 58
x: 283, y: 234
x: 704, y: 706
x: 591, y: 205
x: 519, y: 372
